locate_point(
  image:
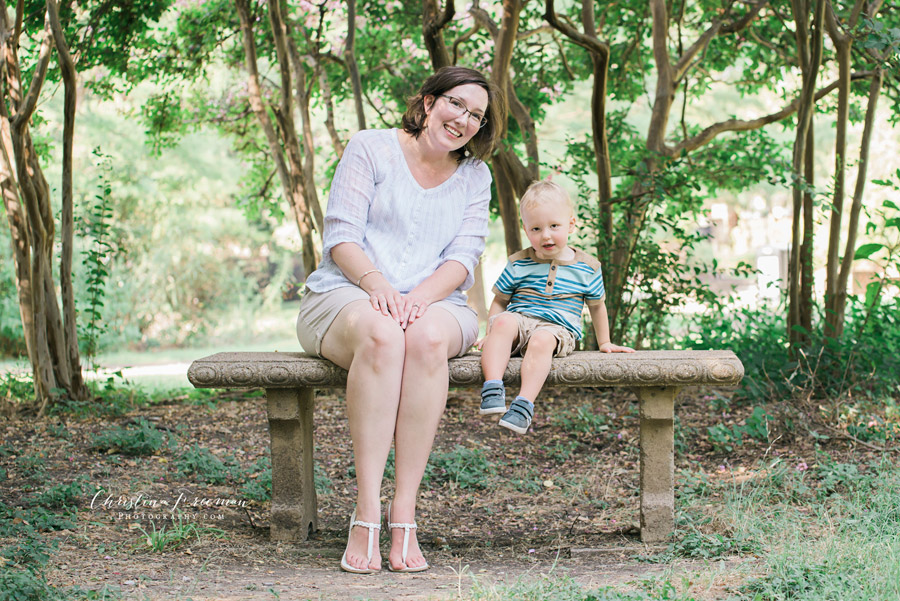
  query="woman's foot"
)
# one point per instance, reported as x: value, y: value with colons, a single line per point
x: 356, y: 556
x: 403, y: 534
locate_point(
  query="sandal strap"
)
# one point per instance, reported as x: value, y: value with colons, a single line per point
x: 372, y: 528
x: 402, y: 525
x: 406, y: 529
x: 368, y: 525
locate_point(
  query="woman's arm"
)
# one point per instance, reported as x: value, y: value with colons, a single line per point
x: 359, y: 269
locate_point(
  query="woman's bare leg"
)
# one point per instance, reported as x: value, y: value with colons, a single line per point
x: 430, y: 341
x: 371, y: 347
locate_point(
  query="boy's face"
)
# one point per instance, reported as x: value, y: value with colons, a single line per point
x: 548, y: 225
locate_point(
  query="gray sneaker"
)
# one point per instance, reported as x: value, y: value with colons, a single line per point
x: 493, y: 399
x: 519, y: 416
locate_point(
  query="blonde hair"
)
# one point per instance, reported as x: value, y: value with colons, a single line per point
x: 542, y: 192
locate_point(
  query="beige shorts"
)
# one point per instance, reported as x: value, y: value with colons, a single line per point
x: 565, y: 339
x: 318, y: 311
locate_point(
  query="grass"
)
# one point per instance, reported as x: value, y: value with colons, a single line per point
x: 174, y: 534
x: 827, y: 532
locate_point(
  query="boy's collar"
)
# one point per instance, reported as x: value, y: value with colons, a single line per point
x: 532, y: 254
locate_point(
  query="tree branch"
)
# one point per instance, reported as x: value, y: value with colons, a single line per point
x: 26, y: 108
x: 714, y: 130
x: 483, y: 18
x: 464, y: 37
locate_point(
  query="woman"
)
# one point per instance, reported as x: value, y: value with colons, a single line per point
x: 406, y: 223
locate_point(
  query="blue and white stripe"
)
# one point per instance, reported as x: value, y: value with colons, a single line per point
x: 524, y: 283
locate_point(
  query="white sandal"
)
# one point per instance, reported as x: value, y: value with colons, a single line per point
x: 406, y: 529
x: 372, y: 539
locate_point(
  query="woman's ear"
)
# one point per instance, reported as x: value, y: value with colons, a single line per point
x: 428, y: 102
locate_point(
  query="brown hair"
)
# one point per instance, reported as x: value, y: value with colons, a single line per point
x: 483, y: 142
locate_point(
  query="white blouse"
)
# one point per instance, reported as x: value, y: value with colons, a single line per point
x: 404, y: 229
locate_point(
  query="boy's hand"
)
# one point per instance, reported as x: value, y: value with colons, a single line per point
x: 479, y: 343
x: 609, y: 347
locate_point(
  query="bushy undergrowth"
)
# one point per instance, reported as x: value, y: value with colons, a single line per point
x: 863, y: 364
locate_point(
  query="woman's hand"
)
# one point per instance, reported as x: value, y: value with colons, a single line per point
x: 387, y: 301
x: 414, y: 307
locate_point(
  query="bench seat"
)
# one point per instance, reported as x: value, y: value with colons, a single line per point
x: 290, y: 381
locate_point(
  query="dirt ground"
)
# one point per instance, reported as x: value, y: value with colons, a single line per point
x: 562, y: 500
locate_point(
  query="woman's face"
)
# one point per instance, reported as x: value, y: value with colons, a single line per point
x: 454, y: 117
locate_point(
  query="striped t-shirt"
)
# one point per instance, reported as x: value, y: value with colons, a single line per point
x: 554, y: 291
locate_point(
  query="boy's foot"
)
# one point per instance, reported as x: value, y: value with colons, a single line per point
x: 493, y: 398
x: 518, y: 418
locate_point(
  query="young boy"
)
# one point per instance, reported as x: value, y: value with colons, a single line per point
x: 537, y: 305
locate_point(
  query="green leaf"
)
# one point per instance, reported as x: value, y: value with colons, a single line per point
x: 867, y: 250
x: 890, y: 204
x: 872, y: 292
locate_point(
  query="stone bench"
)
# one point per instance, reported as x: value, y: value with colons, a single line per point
x: 290, y: 381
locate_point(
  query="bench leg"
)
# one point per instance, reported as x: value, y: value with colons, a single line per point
x: 294, y: 513
x: 657, y: 462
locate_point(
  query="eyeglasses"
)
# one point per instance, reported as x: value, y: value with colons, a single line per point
x: 460, y: 108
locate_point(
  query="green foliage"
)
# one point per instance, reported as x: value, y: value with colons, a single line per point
x: 174, y: 534
x: 466, y: 468
x: 62, y: 496
x: 96, y: 257
x: 847, y: 547
x: 113, y: 397
x: 559, y: 587
x: 665, y: 271
x: 142, y: 438
x: 862, y: 363
x: 258, y: 485
x: 207, y: 467
x: 12, y: 338
x: 724, y: 438
x: 583, y: 419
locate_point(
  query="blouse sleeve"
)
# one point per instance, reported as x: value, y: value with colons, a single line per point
x: 467, y: 246
x: 352, y: 191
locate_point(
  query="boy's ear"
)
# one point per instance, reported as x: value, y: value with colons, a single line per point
x: 572, y: 225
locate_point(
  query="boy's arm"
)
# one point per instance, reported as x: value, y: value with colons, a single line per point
x: 498, y: 305
x: 601, y: 329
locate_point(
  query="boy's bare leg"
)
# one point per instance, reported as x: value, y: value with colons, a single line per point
x: 497, y: 346
x: 536, y: 363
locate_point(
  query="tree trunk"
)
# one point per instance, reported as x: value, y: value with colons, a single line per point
x: 433, y: 23
x: 837, y: 269
x: 806, y: 247
x: 67, y: 67
x: 309, y: 148
x: 50, y: 339
x: 809, y: 49
x: 352, y: 68
x: 290, y: 174
x: 839, y: 304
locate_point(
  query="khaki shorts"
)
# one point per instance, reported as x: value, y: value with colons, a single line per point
x: 565, y: 339
x: 318, y: 311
